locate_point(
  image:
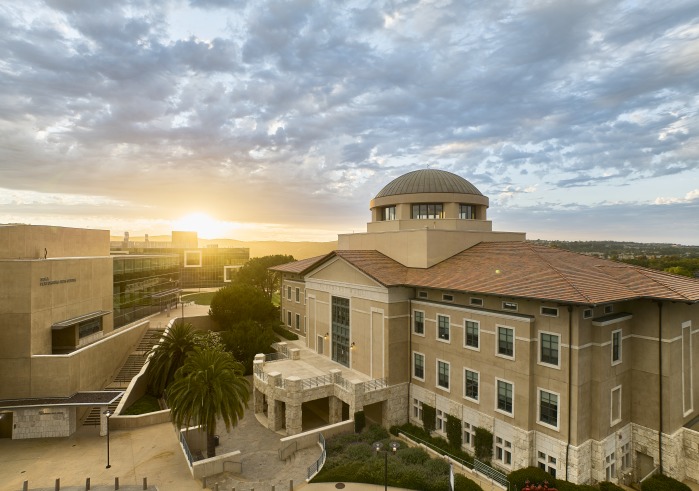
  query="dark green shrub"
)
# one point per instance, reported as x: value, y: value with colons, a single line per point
x: 373, y: 433
x: 146, y: 404
x: 358, y: 451
x: 393, y: 430
x: 483, y: 444
x: 463, y: 483
x: 437, y: 466
x: 454, y: 431
x: 359, y: 421
x: 429, y: 415
x: 411, y: 477
x: 534, y: 475
x: 415, y: 456
x: 609, y: 486
x: 286, y: 334
x: 339, y: 442
x: 658, y: 482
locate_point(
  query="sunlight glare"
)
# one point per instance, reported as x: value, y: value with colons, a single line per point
x: 204, y: 225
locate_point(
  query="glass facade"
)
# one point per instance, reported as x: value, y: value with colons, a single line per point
x: 340, y: 330
x: 144, y: 285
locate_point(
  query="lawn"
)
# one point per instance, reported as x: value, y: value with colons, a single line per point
x: 203, y: 298
x: 146, y: 404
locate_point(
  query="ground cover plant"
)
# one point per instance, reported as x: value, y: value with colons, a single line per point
x: 351, y: 458
x: 146, y: 404
x: 440, y: 443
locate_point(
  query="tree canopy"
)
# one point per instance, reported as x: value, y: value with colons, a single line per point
x: 241, y: 302
x: 169, y: 355
x: 256, y: 273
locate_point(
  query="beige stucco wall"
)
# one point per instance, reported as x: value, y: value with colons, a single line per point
x: 29, y: 242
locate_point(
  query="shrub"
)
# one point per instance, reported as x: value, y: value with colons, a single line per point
x: 658, y: 482
x: 463, y: 483
x: 411, y: 456
x: 286, y: 334
x: 609, y: 486
x: 483, y: 443
x: 358, y: 451
x: 373, y: 433
x: 437, y: 466
x: 146, y: 404
x: 534, y: 475
x: 428, y: 417
x: 359, y: 421
x: 454, y: 431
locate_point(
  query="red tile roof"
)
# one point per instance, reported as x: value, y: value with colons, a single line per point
x: 298, y: 266
x: 522, y: 269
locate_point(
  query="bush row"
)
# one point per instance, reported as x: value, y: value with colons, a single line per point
x: 438, y: 442
x: 286, y: 334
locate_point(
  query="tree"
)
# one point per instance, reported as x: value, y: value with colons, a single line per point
x: 238, y: 303
x: 256, y: 273
x: 245, y: 339
x: 210, y: 385
x: 169, y: 355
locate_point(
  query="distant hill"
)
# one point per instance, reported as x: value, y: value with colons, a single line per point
x: 622, y: 250
x: 300, y: 250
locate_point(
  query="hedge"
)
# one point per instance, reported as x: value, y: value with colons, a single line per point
x: 286, y: 334
x: 658, y: 482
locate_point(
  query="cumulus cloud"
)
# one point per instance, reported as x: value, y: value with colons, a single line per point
x: 289, y: 111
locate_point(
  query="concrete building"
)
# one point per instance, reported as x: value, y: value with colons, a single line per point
x: 59, y: 344
x: 199, y: 267
x: 578, y: 365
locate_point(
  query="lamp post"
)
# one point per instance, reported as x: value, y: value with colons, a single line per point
x: 107, y: 413
x: 394, y: 447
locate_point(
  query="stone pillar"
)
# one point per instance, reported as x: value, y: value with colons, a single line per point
x: 295, y: 354
x: 294, y: 411
x: 357, y: 397
x: 258, y: 400
x: 103, y: 423
x: 273, y: 379
x: 335, y: 410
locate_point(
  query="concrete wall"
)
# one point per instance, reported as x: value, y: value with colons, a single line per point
x: 29, y: 242
x: 127, y: 422
x: 43, y: 422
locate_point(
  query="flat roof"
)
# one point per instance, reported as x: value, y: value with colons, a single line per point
x: 88, y: 398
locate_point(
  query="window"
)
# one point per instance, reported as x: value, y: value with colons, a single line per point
x: 547, y: 463
x: 472, y: 329
x: 548, y: 408
x: 443, y: 327
x: 549, y: 311
x: 288, y: 318
x: 506, y: 344
x: 288, y: 292
x: 503, y: 451
x: 626, y: 456
x: 192, y: 259
x: 425, y: 211
x: 616, y: 347
x: 615, y: 416
x: 469, y: 434
x: 587, y: 313
x: 447, y: 297
x: 509, y: 306
x: 419, y: 366
x: 340, y: 330
x: 476, y: 301
x: 610, y: 466
x: 471, y: 384
x: 389, y: 213
x: 467, y: 212
x: 608, y: 309
x: 417, y: 409
x: 443, y: 374
x: 422, y: 294
x: 419, y: 322
x: 298, y: 322
x: 441, y: 422
x: 89, y: 327
x: 504, y: 395
x: 548, y: 353
x: 298, y: 295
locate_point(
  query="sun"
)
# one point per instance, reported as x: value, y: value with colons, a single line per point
x: 204, y: 225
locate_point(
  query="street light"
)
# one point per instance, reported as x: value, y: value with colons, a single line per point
x: 107, y: 413
x: 394, y: 447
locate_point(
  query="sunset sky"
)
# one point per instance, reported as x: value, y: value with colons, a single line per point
x: 257, y: 119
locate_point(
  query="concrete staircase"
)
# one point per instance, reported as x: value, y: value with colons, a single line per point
x: 131, y: 367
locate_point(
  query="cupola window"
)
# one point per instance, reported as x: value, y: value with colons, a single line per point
x: 428, y: 211
x: 389, y: 213
x: 467, y: 212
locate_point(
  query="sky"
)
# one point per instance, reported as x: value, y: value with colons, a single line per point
x: 282, y: 119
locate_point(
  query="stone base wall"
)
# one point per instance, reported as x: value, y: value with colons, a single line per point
x: 43, y: 423
x: 691, y: 454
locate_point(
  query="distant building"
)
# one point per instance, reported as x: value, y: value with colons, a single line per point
x: 581, y: 366
x: 199, y: 267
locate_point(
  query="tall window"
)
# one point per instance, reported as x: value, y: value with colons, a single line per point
x: 441, y: 422
x: 548, y: 408
x: 288, y: 292
x: 467, y: 212
x: 472, y: 328
x: 503, y: 450
x: 547, y: 463
x: 443, y: 374
x: 443, y: 327
x: 506, y: 341
x: 471, y: 384
x: 417, y: 409
x: 298, y: 322
x: 419, y: 366
x: 616, y: 347
x: 615, y: 416
x: 504, y: 396
x: 340, y: 330
x: 425, y: 211
x: 418, y: 322
x: 610, y: 466
x: 288, y: 318
x: 389, y: 213
x: 469, y: 434
x: 549, y: 348
x: 298, y: 294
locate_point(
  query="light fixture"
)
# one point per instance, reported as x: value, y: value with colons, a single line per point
x: 352, y: 346
x: 326, y: 335
x: 107, y: 413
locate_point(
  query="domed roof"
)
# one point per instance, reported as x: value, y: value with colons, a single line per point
x: 428, y: 181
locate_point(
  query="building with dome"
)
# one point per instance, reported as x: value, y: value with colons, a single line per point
x: 581, y: 366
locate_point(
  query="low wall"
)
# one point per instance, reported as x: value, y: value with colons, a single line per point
x: 128, y: 422
x: 227, y: 462
x: 310, y: 438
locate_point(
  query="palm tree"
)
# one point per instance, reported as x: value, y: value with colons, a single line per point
x: 210, y: 385
x: 169, y: 355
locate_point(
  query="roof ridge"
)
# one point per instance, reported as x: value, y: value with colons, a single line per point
x: 533, y: 248
x: 644, y: 271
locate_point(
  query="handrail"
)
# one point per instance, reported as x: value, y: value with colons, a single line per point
x: 650, y: 474
x: 185, y: 446
x: 315, y: 468
x: 435, y: 448
x: 375, y: 384
x: 318, y: 381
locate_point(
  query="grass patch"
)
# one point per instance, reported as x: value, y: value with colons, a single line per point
x: 203, y: 298
x: 144, y: 405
